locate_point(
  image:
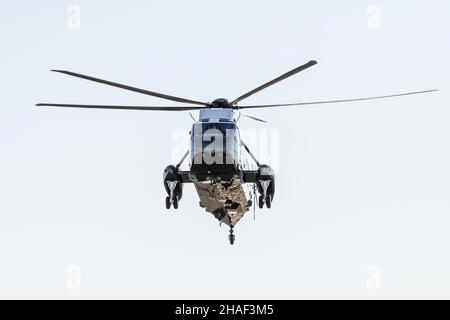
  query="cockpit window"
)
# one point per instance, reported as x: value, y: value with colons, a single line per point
x: 215, y: 137
x: 222, y: 126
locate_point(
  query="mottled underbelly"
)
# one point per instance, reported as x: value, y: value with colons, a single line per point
x: 226, y: 201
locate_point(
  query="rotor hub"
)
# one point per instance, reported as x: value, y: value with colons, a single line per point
x: 220, y: 103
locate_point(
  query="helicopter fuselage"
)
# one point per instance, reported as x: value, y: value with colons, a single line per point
x: 216, y: 169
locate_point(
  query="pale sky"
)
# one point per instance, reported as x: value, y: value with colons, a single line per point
x: 362, y: 205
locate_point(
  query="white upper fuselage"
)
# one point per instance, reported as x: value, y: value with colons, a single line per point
x: 215, y: 114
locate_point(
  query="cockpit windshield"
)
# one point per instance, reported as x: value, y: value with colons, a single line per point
x: 215, y: 139
x: 221, y: 126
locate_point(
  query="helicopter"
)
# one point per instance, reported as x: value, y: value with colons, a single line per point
x: 215, y: 166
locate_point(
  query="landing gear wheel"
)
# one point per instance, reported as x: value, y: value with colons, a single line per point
x: 168, y: 203
x: 268, y: 202
x: 260, y: 202
x: 175, y: 202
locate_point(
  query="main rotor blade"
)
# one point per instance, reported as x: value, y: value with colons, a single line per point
x: 122, y: 86
x: 333, y: 101
x: 282, y: 77
x: 254, y: 118
x: 96, y: 106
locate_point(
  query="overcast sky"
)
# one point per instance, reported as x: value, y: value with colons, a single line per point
x: 362, y: 205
